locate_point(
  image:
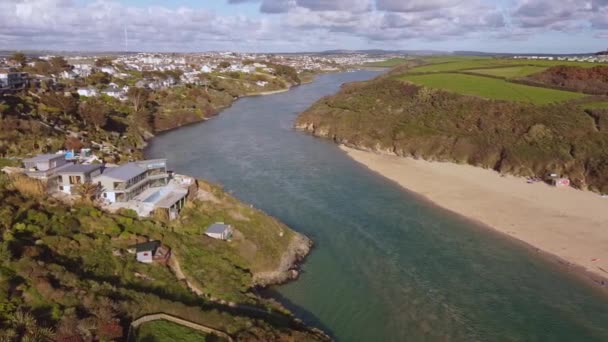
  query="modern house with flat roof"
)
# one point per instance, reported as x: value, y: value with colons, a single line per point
x: 125, y: 182
x: 44, y: 162
x: 45, y: 167
x: 74, y: 175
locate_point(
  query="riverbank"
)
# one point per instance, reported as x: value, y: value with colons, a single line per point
x: 567, y: 223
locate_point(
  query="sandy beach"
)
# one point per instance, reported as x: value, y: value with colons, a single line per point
x: 565, y: 222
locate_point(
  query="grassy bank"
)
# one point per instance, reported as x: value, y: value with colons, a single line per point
x: 508, y: 127
x: 161, y: 331
x: 491, y: 88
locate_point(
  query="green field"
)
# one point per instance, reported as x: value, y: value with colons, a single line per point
x: 596, y: 105
x: 389, y: 63
x: 510, y: 72
x: 461, y: 64
x: 164, y: 331
x: 491, y: 88
x: 443, y: 64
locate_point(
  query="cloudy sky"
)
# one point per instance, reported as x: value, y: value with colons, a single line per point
x: 550, y: 26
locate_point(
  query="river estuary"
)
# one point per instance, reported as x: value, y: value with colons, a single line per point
x: 387, y: 265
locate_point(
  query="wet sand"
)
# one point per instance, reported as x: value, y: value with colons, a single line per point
x: 567, y: 223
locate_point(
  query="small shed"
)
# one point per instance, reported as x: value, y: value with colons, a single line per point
x: 152, y: 251
x: 561, y: 182
x: 219, y: 231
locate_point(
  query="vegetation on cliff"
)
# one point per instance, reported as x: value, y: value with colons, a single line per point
x: 65, y: 273
x: 48, y: 116
x: 590, y: 80
x: 391, y: 115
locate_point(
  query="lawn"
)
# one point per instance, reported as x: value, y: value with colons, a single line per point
x: 510, y: 72
x: 165, y: 331
x: 491, y: 88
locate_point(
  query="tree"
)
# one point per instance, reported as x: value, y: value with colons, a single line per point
x: 88, y: 190
x: 95, y: 112
x: 28, y: 329
x: 73, y: 143
x: 138, y: 97
x: 58, y: 64
x: 41, y: 67
x: 98, y: 78
x: 104, y: 61
x: 19, y: 57
x: 224, y: 65
x: 67, y: 105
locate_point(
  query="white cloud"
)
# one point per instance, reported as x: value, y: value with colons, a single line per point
x: 302, y: 24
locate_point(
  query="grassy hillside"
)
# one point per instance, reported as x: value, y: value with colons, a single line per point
x: 65, y: 272
x: 589, y: 80
x: 491, y: 88
x: 391, y: 115
x: 596, y: 105
x: 461, y: 63
x: 510, y: 71
x: 161, y: 331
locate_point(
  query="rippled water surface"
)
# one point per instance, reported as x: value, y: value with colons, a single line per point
x: 387, y: 266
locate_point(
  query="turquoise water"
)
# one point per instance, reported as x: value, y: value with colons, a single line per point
x: 387, y: 266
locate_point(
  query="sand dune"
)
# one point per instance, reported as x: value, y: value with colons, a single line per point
x: 565, y: 222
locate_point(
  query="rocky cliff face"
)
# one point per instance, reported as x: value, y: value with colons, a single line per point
x: 289, y: 265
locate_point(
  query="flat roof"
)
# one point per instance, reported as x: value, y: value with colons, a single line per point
x: 43, y: 158
x: 124, y: 172
x: 170, y: 199
x: 217, y: 228
x: 80, y: 168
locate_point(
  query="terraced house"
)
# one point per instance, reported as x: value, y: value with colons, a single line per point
x: 123, y: 183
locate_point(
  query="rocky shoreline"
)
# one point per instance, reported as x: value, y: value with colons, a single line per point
x: 289, y: 266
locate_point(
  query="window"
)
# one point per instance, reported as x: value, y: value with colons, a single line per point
x: 75, y: 180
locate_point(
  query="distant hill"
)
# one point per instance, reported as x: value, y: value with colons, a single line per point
x: 386, y: 52
x: 481, y: 53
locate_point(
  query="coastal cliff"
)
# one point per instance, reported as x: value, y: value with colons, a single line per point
x: 391, y: 116
x: 76, y: 258
x: 288, y: 268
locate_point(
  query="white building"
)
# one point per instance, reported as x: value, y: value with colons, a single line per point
x: 220, y: 231
x: 88, y: 92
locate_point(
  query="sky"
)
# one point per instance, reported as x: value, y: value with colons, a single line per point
x: 541, y: 26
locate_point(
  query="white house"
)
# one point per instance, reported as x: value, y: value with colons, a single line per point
x: 108, y: 70
x: 114, y: 92
x: 152, y: 251
x: 220, y: 231
x: 68, y: 74
x: 88, y: 92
